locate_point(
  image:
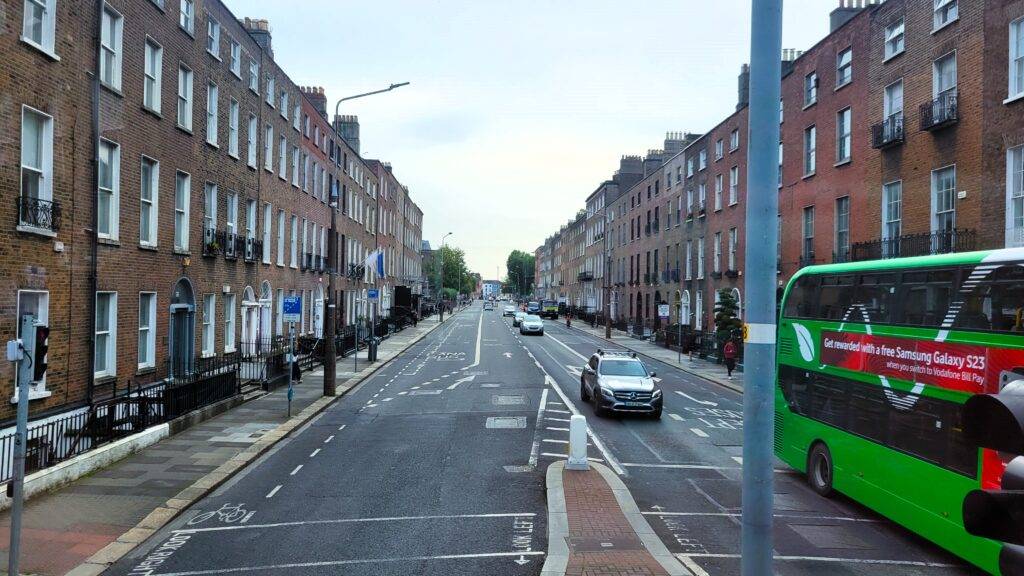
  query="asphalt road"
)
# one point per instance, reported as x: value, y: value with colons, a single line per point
x: 435, y: 465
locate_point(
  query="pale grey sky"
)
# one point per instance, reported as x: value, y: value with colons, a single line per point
x: 518, y: 110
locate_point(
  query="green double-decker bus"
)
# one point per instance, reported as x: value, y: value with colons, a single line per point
x: 875, y: 360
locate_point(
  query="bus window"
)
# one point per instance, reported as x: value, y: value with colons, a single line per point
x: 996, y: 303
x: 835, y: 297
x: 924, y: 298
x: 801, y: 299
x: 874, y: 295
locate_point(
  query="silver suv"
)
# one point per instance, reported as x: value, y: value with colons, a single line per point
x: 619, y: 382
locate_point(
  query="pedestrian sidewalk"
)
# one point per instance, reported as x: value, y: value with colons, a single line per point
x: 596, y: 529
x: 703, y: 368
x: 85, y: 526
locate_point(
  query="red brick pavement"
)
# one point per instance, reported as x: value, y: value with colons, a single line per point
x: 595, y: 522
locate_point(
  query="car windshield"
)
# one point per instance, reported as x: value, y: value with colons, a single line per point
x: 549, y: 303
x: 533, y: 305
x: 623, y: 368
x: 532, y: 318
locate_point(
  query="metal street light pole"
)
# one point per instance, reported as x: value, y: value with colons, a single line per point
x: 330, y: 352
x: 760, y: 331
x: 440, y: 283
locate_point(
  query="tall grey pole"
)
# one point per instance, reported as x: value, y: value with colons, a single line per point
x: 759, y: 332
x: 20, y: 440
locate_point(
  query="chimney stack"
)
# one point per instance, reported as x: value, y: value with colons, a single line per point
x: 848, y: 9
x: 744, y: 87
x: 259, y: 29
x: 317, y: 98
x: 348, y: 127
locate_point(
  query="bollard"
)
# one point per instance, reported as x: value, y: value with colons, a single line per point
x: 577, y: 444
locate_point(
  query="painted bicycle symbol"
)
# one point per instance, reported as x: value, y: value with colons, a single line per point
x: 228, y: 513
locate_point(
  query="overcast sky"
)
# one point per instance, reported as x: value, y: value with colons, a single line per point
x: 519, y: 109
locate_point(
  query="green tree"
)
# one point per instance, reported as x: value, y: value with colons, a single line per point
x: 726, y: 310
x: 519, y: 276
x: 457, y: 277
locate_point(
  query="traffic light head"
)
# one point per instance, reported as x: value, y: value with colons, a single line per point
x: 995, y: 421
x: 41, y: 349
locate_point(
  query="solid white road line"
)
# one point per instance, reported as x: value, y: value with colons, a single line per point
x: 557, y: 419
x: 559, y: 411
x: 296, y: 471
x: 881, y: 561
x: 479, y: 335
x: 342, y: 427
x: 701, y: 402
x: 790, y: 516
x: 597, y: 441
x: 563, y: 344
x: 675, y: 416
x: 226, y: 527
x: 314, y: 453
x: 556, y: 429
x: 329, y: 438
x: 699, y: 432
x: 535, y: 448
x: 327, y: 563
x: 460, y: 381
x: 698, y: 467
x: 274, y: 491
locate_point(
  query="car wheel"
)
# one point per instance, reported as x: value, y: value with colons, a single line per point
x: 598, y: 411
x: 584, y: 397
x: 541, y: 333
x: 820, y: 470
x: 656, y: 415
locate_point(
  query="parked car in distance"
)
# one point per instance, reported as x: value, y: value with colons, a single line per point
x: 533, y: 308
x: 619, y: 382
x: 531, y: 324
x: 488, y: 305
x: 517, y: 319
x: 508, y: 310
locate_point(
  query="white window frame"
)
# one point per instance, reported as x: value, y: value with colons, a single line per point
x: 734, y: 185
x: 895, y: 39
x: 1015, y: 86
x: 842, y: 226
x: 844, y: 135
x: 810, y: 150
x: 146, y: 340
x: 718, y: 192
x: 281, y: 232
x: 944, y: 13
x: 810, y: 89
x: 700, y: 258
x: 254, y: 75
x: 152, y: 206
x: 935, y: 208
x: 47, y: 26
x: 887, y: 201
x: 229, y: 323
x: 936, y: 75
x: 209, y: 323
x: 719, y: 149
x: 182, y: 201
x: 212, y: 37
x: 184, y: 109
x: 282, y: 158
x: 235, y: 56
x: 270, y: 90
x: 1015, y: 197
x: 187, y: 16
x: 284, y: 104
x: 843, y: 64
x: 733, y: 244
x: 252, y: 132
x: 295, y: 242
x: 114, y: 191
x: 209, y: 207
x: 268, y: 148
x: 44, y: 171
x: 717, y: 252
x: 111, y: 47
x: 231, y: 217
x: 212, y: 120
x: 268, y: 219
x: 110, y: 346
x: 734, y: 140
x: 152, y: 79
x: 295, y: 166
x: 233, y: 112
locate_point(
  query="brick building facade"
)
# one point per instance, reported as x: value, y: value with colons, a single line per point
x: 207, y: 201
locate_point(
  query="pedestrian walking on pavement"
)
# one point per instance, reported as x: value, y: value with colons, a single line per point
x: 730, y: 356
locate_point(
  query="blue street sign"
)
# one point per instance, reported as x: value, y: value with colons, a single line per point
x: 292, y: 308
x: 372, y: 294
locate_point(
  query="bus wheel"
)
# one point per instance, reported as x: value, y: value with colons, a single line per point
x: 820, y: 469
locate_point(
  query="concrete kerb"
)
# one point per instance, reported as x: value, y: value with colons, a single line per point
x: 557, y: 558
x: 163, y: 515
x: 727, y: 385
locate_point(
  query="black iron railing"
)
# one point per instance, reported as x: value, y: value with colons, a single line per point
x: 253, y: 249
x: 230, y: 242
x: 841, y: 255
x: 585, y: 276
x: 940, y: 112
x: 212, y: 242
x: 923, y: 244
x: 42, y: 214
x: 889, y: 132
x: 807, y: 259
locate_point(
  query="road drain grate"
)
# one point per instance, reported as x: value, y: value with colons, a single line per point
x: 506, y: 422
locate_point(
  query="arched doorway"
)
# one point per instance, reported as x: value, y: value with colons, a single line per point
x: 684, y: 305
x: 266, y: 301
x: 250, y: 321
x: 677, y: 301
x: 739, y: 303
x: 182, y: 328
x: 318, y: 313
